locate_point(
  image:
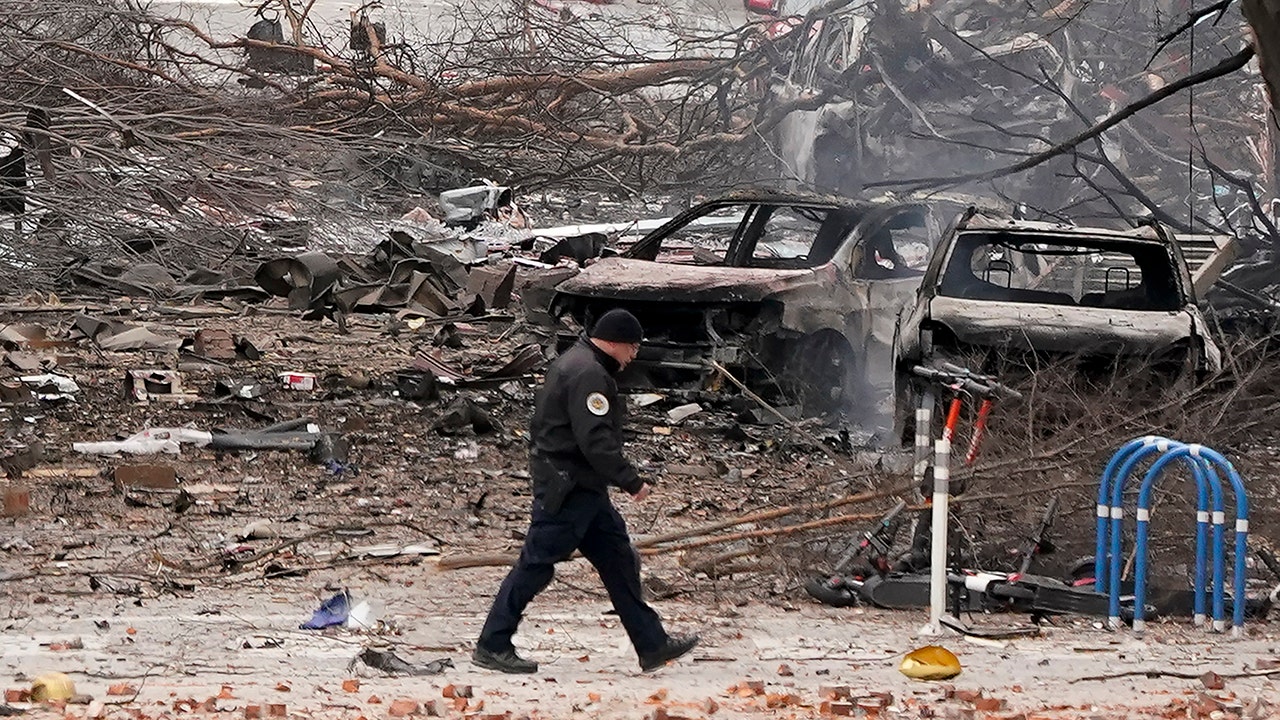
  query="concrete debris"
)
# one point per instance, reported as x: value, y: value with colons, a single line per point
x: 24, y: 337
x: 51, y: 387
x: 29, y: 362
x: 679, y: 414
x: 145, y: 386
x: 641, y: 400
x: 467, y: 206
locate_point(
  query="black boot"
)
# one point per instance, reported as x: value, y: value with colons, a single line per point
x: 673, y: 648
x: 506, y: 661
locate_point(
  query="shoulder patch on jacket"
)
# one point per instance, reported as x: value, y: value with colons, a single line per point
x: 598, y: 404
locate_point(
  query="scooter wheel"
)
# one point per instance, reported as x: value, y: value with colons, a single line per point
x: 1080, y: 570
x: 836, y: 594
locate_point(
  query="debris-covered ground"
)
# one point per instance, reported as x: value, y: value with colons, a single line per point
x: 181, y: 589
x: 269, y: 342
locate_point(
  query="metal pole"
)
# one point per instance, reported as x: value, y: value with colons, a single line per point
x: 938, y: 547
x: 979, y: 432
x: 1197, y: 468
x: 1117, y: 524
x: 938, y: 539
x: 924, y: 421
x: 1201, y: 472
x: 1194, y: 455
x: 1238, y: 599
x: 1104, y: 508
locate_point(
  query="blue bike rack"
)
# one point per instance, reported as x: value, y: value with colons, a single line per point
x: 1204, y: 464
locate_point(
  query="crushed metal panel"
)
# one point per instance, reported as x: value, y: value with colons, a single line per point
x: 305, y: 280
x: 627, y: 279
x: 985, y: 221
x: 1058, y: 328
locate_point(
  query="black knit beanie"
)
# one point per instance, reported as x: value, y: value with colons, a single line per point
x: 618, y: 326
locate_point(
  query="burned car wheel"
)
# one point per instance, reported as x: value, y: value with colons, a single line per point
x: 820, y: 373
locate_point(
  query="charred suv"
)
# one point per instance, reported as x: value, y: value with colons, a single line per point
x: 798, y: 294
x: 1006, y: 286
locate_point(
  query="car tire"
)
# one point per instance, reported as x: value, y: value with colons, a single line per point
x: 822, y: 372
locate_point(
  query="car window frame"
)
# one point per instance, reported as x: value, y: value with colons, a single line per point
x: 873, y: 223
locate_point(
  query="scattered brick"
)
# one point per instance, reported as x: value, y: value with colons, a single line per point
x: 153, y: 476
x: 988, y: 704
x: 457, y: 691
x: 1212, y: 681
x: 215, y: 343
x: 969, y: 696
x: 403, y: 707
x: 118, y: 690
x: 834, y: 692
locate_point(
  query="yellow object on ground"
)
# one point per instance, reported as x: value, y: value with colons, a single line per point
x: 930, y: 663
x: 52, y: 686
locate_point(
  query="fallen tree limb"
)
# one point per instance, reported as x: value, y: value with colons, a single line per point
x: 763, y: 533
x: 498, y: 559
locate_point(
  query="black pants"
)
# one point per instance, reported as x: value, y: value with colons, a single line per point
x: 587, y: 522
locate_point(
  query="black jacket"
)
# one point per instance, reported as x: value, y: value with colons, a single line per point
x: 576, y: 430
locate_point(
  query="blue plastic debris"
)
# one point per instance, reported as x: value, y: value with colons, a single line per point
x: 332, y: 612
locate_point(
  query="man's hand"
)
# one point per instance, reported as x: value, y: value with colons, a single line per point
x: 642, y: 493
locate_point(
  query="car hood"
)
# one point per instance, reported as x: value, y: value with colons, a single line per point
x: 645, y: 280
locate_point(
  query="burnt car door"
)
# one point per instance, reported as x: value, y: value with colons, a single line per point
x: 883, y: 265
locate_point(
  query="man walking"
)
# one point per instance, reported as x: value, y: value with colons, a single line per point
x: 576, y: 455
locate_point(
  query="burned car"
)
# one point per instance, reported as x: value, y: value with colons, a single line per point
x: 797, y: 294
x: 1003, y: 286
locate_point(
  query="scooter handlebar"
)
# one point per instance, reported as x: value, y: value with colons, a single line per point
x: 966, y: 381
